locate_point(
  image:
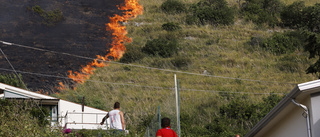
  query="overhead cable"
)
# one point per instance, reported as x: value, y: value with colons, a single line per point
x: 13, y: 68
x: 133, y: 65
x: 135, y: 85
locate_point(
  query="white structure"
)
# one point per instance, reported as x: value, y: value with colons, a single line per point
x: 297, y: 114
x: 62, y: 113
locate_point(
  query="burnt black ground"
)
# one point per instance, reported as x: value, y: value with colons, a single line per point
x: 82, y: 32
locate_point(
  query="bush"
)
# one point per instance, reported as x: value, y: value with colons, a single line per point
x: 170, y: 26
x: 24, y: 118
x: 281, y: 43
x: 212, y: 12
x: 262, y: 11
x: 161, y: 47
x: 132, y: 54
x: 12, y: 80
x: 173, y: 6
x: 53, y: 17
x: 311, y: 18
x: 313, y: 47
x: 291, y: 16
x: 290, y: 63
x: 241, y: 115
x: 181, y: 62
x: 49, y: 18
x: 38, y: 9
x: 256, y: 41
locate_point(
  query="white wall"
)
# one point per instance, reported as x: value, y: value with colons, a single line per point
x: 89, y: 119
x: 292, y: 125
x: 315, y: 114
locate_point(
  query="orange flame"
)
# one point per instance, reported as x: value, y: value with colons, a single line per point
x: 131, y: 10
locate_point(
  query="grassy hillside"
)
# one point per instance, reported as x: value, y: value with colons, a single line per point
x: 221, y: 66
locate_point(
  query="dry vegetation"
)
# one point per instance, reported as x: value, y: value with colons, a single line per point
x: 223, y: 63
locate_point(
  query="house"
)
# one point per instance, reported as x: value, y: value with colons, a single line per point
x: 296, y: 115
x: 62, y: 113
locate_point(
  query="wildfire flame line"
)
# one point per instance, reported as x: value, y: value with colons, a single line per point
x: 131, y: 10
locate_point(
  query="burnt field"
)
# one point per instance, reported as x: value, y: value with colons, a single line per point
x: 80, y: 32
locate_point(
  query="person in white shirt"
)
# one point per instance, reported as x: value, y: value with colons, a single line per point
x: 116, y: 118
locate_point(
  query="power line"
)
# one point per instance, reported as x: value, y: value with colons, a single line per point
x: 133, y: 65
x: 232, y: 92
x: 135, y: 85
x: 13, y: 68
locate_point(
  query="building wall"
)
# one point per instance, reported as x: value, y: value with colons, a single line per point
x: 292, y: 125
x: 315, y: 114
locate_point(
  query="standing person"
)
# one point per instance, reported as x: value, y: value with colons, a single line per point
x: 165, y: 131
x: 116, y: 118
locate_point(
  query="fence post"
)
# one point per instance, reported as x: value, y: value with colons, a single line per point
x: 176, y: 83
x: 159, y: 117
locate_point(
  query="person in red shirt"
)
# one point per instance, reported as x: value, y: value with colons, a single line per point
x: 165, y: 131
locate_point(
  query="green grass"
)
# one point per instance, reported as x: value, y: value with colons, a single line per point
x: 222, y: 51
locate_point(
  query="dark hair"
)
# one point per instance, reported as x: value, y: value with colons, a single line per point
x: 165, y: 122
x: 116, y: 105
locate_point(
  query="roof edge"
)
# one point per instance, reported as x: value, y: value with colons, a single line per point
x: 274, y: 112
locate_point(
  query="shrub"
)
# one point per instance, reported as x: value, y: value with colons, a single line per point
x: 170, y: 26
x: 290, y: 63
x: 241, y: 115
x: 38, y: 9
x: 262, y: 11
x: 173, y: 6
x: 24, y: 118
x: 132, y: 54
x: 12, y: 80
x: 281, y: 43
x: 53, y: 17
x: 161, y: 47
x: 312, y: 46
x: 256, y: 41
x: 181, y: 62
x: 311, y: 18
x: 291, y: 16
x: 212, y: 12
x: 49, y: 18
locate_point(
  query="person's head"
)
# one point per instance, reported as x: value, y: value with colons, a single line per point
x: 116, y: 105
x: 165, y: 122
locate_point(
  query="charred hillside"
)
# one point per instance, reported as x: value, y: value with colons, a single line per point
x: 79, y: 30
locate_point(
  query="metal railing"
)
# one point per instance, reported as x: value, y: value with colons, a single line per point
x: 80, y: 118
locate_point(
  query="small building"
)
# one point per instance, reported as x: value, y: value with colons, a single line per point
x: 296, y: 115
x: 62, y: 113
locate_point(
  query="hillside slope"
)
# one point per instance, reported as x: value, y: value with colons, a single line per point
x: 81, y: 32
x: 221, y: 66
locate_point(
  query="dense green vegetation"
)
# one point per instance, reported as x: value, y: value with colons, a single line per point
x: 12, y: 80
x: 210, y: 12
x: 23, y: 118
